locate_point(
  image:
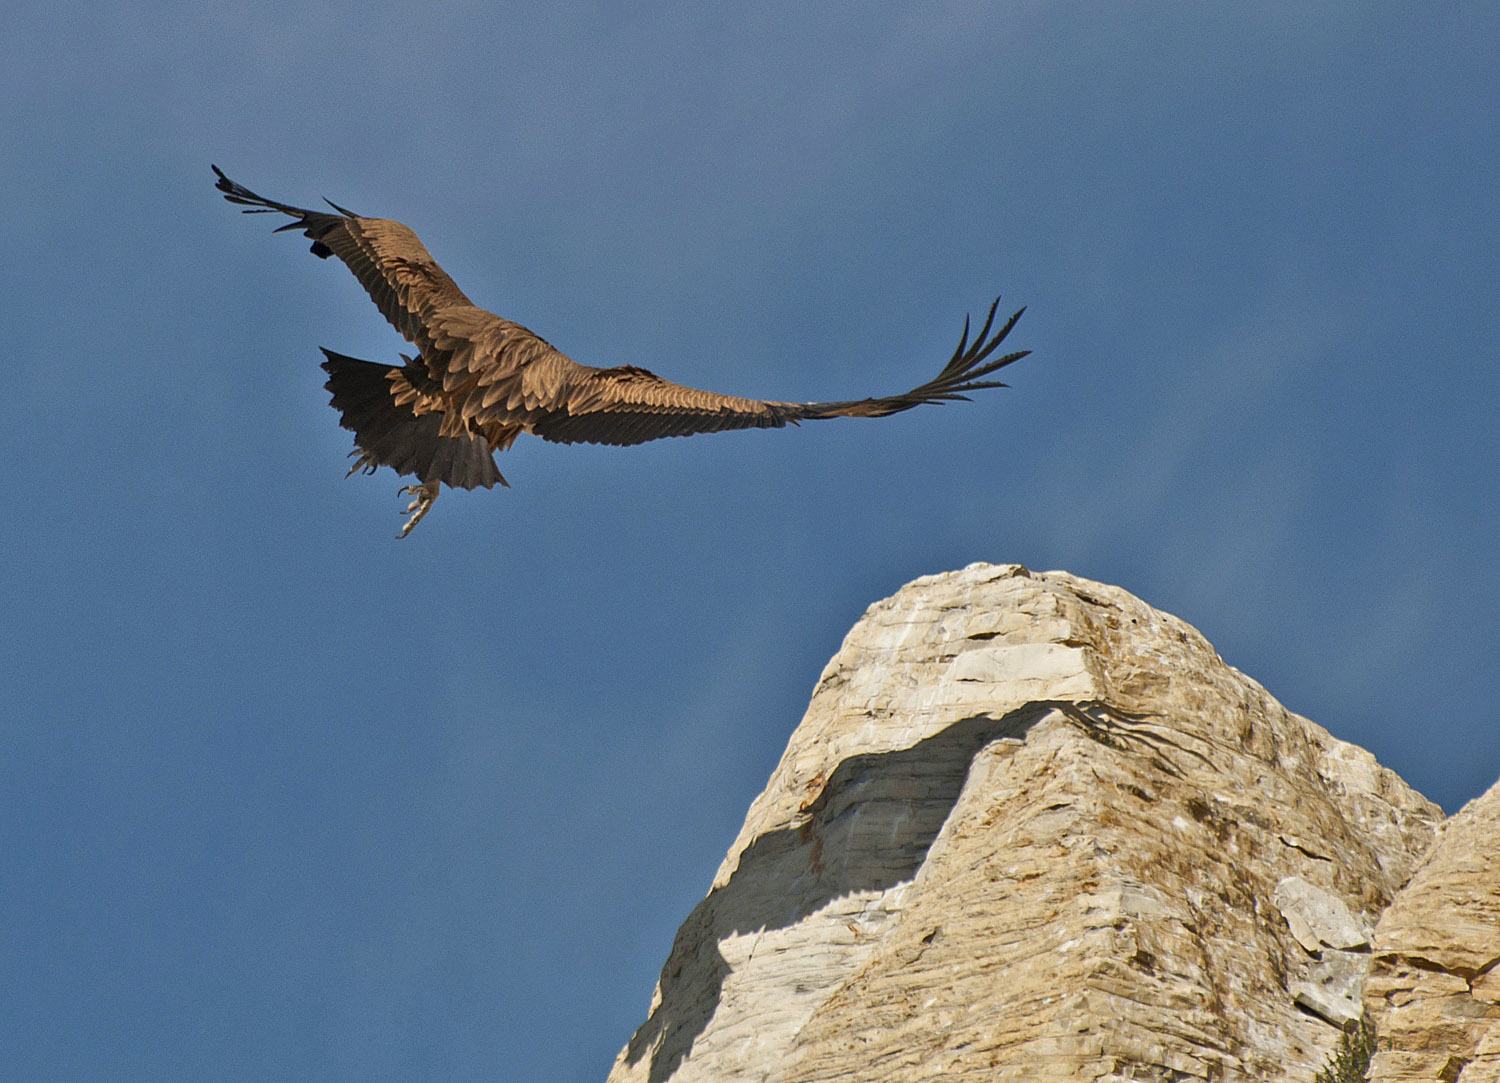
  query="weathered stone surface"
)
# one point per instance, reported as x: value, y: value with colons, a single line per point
x: 1030, y: 829
x: 1334, y: 986
x: 1318, y: 919
x: 1434, y: 984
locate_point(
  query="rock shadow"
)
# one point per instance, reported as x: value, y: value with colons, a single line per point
x: 868, y: 829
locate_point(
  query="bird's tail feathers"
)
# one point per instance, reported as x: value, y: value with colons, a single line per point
x: 390, y: 434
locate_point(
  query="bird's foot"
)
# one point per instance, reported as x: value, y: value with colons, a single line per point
x: 424, y: 495
x: 365, y: 462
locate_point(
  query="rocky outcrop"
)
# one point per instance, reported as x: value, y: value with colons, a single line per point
x: 1434, y: 986
x: 1032, y: 829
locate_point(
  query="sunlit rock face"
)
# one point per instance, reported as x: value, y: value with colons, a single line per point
x: 1434, y: 988
x: 1031, y: 828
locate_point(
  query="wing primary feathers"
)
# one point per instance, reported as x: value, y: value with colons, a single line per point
x: 964, y: 372
x: 314, y: 224
x: 235, y: 192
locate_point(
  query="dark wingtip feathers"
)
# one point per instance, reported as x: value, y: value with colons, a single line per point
x: 254, y: 203
x: 964, y: 372
x: 314, y: 224
x: 970, y: 363
x: 238, y: 193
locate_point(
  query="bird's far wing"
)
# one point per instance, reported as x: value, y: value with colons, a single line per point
x: 571, y: 403
x: 397, y: 272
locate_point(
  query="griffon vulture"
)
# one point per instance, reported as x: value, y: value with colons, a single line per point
x: 479, y: 381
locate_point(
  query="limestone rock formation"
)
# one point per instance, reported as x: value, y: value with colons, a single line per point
x: 1032, y: 829
x: 1434, y: 986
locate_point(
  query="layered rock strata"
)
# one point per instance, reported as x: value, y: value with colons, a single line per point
x: 1434, y: 987
x: 1032, y: 829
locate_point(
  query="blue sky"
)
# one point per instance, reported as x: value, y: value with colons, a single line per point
x: 283, y: 798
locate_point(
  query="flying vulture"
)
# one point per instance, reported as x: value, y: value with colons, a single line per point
x: 479, y: 381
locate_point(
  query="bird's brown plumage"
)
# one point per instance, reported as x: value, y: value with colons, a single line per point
x: 479, y: 380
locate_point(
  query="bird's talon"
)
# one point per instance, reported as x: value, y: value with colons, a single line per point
x: 424, y: 496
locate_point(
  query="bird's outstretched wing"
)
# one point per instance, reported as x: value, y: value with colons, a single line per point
x: 398, y: 273
x: 630, y: 405
x: 489, y: 376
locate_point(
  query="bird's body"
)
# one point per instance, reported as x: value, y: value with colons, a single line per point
x: 478, y: 381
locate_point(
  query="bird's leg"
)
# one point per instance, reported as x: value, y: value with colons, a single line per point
x: 424, y: 495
